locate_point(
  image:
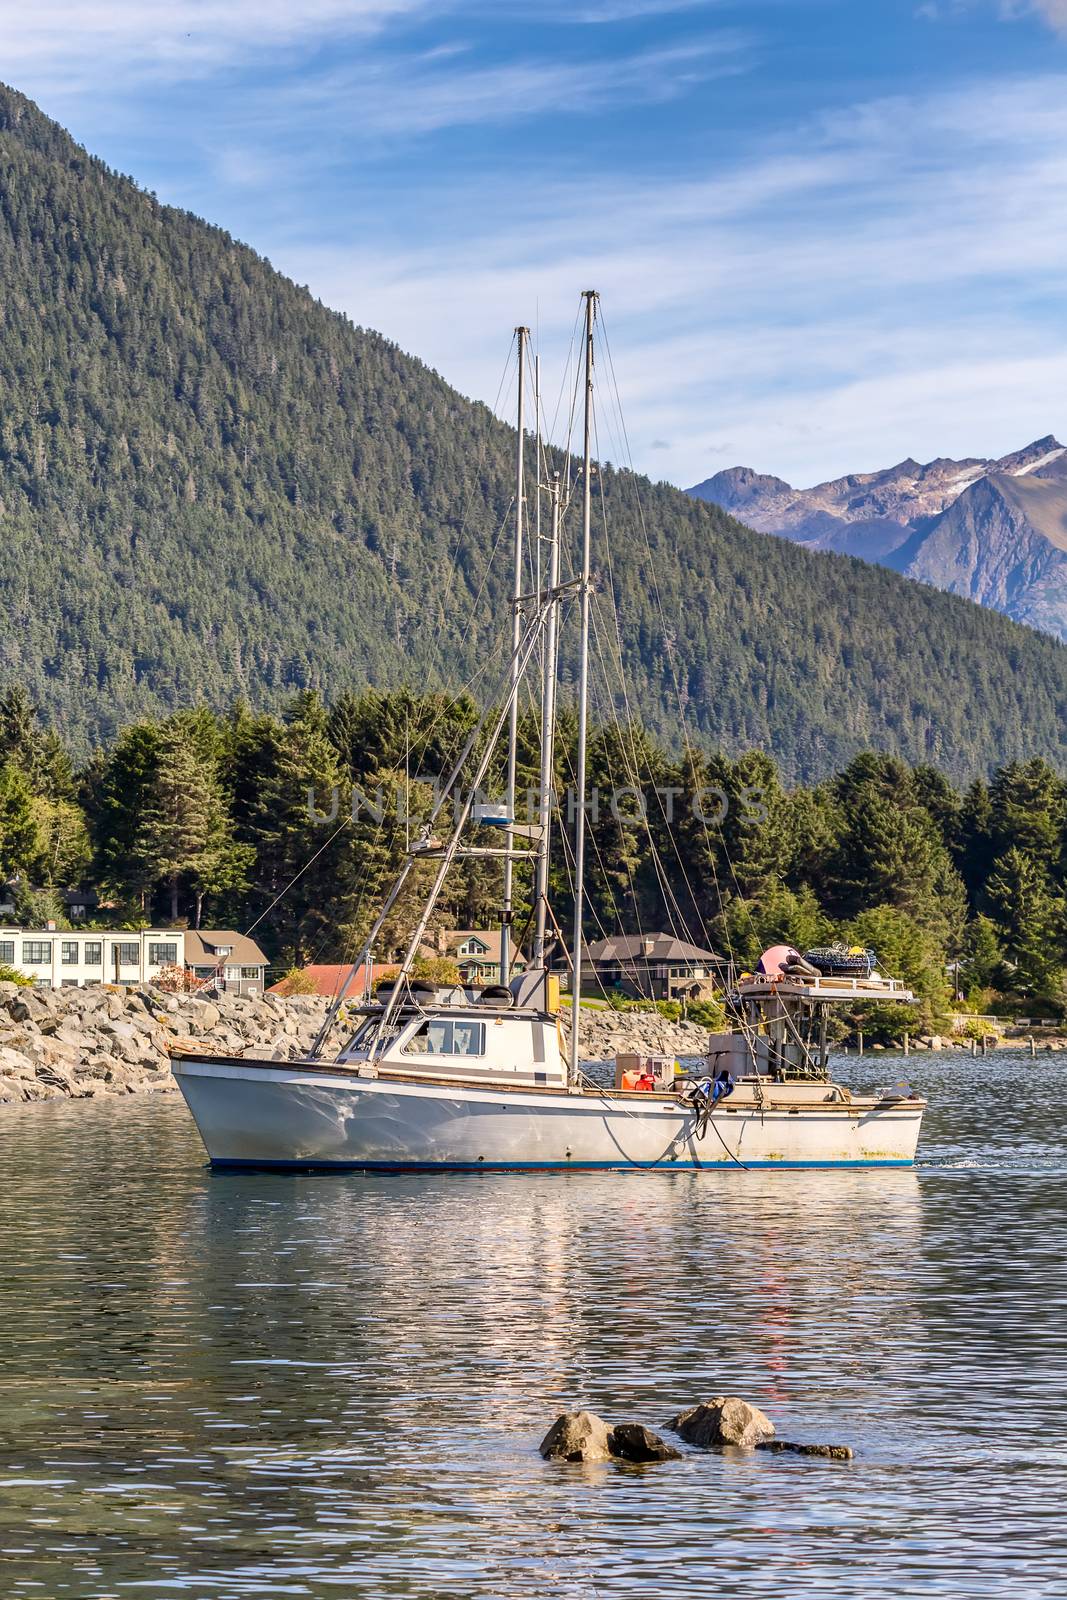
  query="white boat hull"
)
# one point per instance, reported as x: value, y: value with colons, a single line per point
x: 260, y: 1115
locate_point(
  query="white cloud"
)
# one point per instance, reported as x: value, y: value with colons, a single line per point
x: 390, y: 94
x: 879, y: 282
x: 64, y: 42
x: 882, y: 287
x: 601, y: 11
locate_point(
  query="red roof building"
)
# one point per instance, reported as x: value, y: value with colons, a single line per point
x: 329, y: 979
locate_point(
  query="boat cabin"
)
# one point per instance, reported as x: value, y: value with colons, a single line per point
x: 496, y: 1036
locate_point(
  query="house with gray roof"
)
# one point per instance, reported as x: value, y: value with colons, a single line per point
x: 654, y: 966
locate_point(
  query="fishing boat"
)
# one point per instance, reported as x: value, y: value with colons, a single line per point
x: 441, y: 1076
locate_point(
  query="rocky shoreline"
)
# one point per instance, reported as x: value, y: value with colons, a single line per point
x: 86, y: 1042
x: 606, y: 1033
x: 83, y: 1043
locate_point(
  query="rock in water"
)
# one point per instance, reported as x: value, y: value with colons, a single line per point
x: 833, y: 1452
x: 577, y: 1436
x: 632, y: 1441
x: 723, y: 1421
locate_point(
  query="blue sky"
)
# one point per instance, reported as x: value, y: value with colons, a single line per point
x: 828, y: 233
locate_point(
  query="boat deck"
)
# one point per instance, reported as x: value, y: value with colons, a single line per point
x: 829, y: 989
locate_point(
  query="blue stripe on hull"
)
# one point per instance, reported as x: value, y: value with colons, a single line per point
x: 234, y: 1164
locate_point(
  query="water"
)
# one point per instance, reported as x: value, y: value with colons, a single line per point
x: 233, y: 1385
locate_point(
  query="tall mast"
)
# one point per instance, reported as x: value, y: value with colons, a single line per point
x: 590, y: 297
x: 548, y: 734
x: 521, y: 336
x: 537, y: 470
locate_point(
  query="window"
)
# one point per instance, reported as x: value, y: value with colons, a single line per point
x: 94, y: 953
x: 250, y: 972
x: 36, y: 951
x: 367, y: 1032
x: 446, y: 1036
x: 163, y: 955
x: 7, y: 951
x: 69, y: 957
x: 129, y: 954
x: 473, y: 947
x: 69, y: 983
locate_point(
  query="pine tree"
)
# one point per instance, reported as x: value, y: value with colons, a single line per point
x: 19, y: 838
x: 36, y: 751
x: 183, y: 832
x: 297, y: 820
x: 1030, y: 916
x: 118, y: 792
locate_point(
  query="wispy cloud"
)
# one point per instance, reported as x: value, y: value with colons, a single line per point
x: 67, y: 41
x: 601, y: 11
x: 884, y: 282
x: 825, y: 291
x: 409, y: 94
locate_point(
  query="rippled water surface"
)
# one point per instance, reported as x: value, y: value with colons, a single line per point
x: 218, y: 1385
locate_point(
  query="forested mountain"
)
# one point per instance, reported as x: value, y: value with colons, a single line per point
x: 211, y: 485
x: 995, y: 531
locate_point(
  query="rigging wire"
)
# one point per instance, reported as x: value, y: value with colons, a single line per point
x: 669, y: 649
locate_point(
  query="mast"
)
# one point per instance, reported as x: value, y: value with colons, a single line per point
x: 521, y: 336
x: 590, y: 297
x: 548, y: 734
x: 537, y: 472
x: 524, y: 650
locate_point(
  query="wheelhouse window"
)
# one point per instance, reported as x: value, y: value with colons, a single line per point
x: 367, y: 1032
x: 448, y: 1036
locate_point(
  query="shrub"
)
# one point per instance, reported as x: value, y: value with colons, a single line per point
x: 175, y: 979
x: 297, y: 981
x: 12, y: 975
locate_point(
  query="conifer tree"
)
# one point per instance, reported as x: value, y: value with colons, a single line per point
x: 184, y: 832
x: 19, y: 839
x: 1031, y: 917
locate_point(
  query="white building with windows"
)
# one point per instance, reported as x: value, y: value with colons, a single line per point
x: 55, y: 958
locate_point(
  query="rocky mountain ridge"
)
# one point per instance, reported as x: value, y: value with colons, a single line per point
x: 992, y: 530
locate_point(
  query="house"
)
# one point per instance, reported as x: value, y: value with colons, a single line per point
x: 61, y: 958
x: 81, y: 903
x: 476, y: 952
x: 654, y: 966
x: 58, y: 958
x: 78, y: 904
x: 329, y: 979
x: 230, y: 962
